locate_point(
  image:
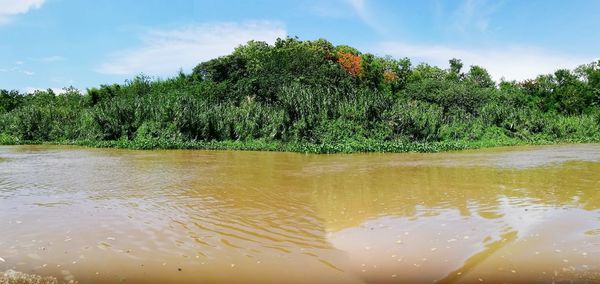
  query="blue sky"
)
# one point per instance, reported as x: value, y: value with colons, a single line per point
x: 84, y: 43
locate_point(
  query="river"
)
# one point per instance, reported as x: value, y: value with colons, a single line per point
x: 515, y: 214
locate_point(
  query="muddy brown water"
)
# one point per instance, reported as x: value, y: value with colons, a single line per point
x: 519, y: 214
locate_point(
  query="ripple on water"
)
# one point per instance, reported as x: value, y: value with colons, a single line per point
x: 224, y: 216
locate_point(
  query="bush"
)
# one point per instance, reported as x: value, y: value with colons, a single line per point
x: 416, y: 120
x: 339, y: 131
x: 312, y: 96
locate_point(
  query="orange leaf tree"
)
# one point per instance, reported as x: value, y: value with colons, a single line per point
x: 351, y: 62
x: 389, y: 75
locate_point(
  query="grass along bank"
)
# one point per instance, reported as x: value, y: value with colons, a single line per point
x: 308, y: 148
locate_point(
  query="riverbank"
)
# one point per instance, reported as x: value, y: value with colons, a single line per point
x: 308, y: 148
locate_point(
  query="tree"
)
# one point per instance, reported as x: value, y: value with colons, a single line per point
x: 351, y: 63
x: 9, y: 100
x: 480, y: 77
x: 456, y: 66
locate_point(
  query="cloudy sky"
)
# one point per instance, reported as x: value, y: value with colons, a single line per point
x: 84, y: 43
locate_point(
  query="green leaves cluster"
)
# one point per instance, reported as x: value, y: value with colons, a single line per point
x: 294, y: 95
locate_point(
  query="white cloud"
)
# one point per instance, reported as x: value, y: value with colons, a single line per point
x: 164, y: 52
x: 472, y: 14
x: 63, y: 81
x: 465, y: 16
x: 363, y: 12
x: 17, y: 70
x: 11, y: 8
x: 359, y: 6
x: 51, y: 59
x: 511, y: 62
x: 329, y: 8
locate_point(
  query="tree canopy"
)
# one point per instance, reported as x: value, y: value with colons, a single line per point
x: 296, y: 91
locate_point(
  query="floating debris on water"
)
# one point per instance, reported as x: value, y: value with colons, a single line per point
x: 12, y: 276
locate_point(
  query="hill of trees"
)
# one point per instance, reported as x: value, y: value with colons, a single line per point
x: 313, y: 96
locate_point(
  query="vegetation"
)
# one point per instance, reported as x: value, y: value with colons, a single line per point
x: 312, y: 96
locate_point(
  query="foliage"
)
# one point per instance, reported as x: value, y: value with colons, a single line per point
x: 312, y: 96
x: 351, y: 63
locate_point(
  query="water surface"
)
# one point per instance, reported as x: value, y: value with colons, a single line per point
x: 521, y: 214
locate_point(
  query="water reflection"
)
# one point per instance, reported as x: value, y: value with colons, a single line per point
x: 100, y: 215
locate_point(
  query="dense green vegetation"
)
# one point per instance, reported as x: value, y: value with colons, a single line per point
x: 312, y: 96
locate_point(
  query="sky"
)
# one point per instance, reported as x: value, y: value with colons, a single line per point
x: 85, y: 43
